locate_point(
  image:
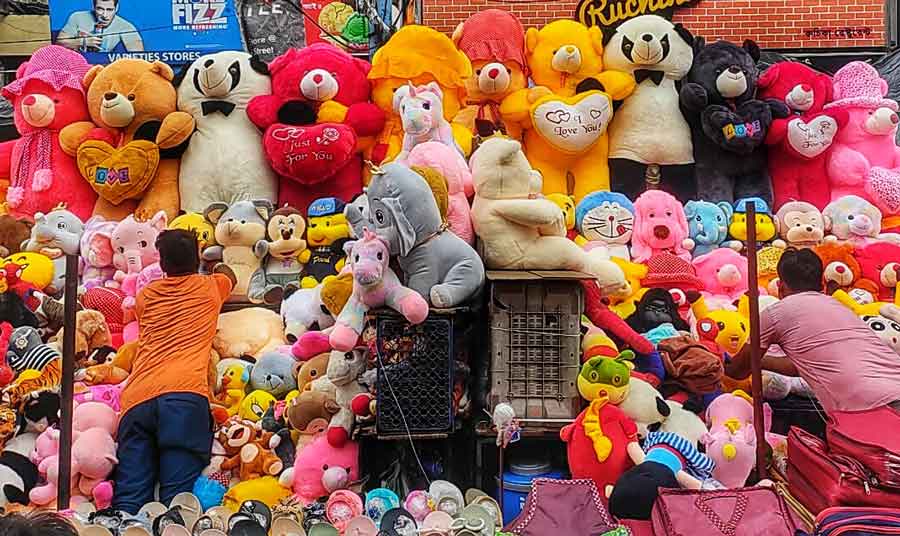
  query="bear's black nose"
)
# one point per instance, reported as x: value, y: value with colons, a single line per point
x: 647, y: 37
x: 734, y: 69
x: 208, y: 63
x: 110, y: 96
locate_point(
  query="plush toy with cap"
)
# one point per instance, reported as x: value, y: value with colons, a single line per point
x: 47, y: 96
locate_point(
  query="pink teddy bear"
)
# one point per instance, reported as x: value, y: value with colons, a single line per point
x: 374, y: 285
x: 660, y: 226
x: 131, y: 285
x: 321, y: 468
x: 724, y: 274
x: 865, y: 159
x: 449, y: 163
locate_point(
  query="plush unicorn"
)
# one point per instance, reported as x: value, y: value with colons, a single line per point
x: 374, y: 285
x: 421, y: 111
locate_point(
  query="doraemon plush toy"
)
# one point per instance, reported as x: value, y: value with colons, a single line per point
x: 224, y: 161
x: 708, y: 224
x: 649, y: 128
x: 605, y: 219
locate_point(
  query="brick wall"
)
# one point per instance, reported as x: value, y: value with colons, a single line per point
x: 772, y: 23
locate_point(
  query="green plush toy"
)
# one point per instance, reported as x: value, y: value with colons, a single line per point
x: 606, y: 377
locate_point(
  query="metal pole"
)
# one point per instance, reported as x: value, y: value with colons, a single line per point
x: 755, y: 350
x: 68, y: 379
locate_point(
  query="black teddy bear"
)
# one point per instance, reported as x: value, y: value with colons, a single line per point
x: 728, y: 124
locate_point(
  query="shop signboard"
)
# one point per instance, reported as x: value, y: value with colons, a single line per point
x: 272, y: 26
x: 608, y: 14
x: 172, y: 31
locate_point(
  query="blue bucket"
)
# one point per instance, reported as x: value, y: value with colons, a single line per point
x: 517, y: 484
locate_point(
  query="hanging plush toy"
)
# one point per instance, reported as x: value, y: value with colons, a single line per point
x: 283, y: 257
x: 708, y: 224
x: 47, y: 96
x: 605, y: 219
x: 660, y: 226
x: 728, y: 123
x: 327, y: 233
x: 649, y: 128
x: 224, y: 161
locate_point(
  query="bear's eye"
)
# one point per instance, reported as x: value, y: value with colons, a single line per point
x: 508, y: 70
x: 381, y: 256
x: 478, y: 72
x: 426, y: 105
x: 669, y: 213
x: 243, y: 222
x: 131, y: 96
x: 143, y: 243
x: 850, y: 217
x: 652, y: 215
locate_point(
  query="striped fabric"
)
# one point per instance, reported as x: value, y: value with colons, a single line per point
x: 698, y: 464
x: 34, y: 359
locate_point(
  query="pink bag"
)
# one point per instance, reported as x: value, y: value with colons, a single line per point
x: 563, y: 507
x: 733, y: 512
x: 861, y: 435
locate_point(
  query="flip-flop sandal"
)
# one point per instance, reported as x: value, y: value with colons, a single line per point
x: 95, y: 530
x: 176, y: 530
x: 247, y: 527
x: 379, y: 501
x: 237, y: 518
x: 85, y: 509
x: 153, y: 510
x: 188, y: 503
x: 342, y: 506
x: 170, y: 517
x: 436, y: 524
x: 482, y: 499
x: 287, y: 526
x: 398, y: 522
x: 221, y: 515
x: 135, y: 531
x: 258, y: 511
x: 213, y: 532
x: 361, y: 526
x: 447, y: 497
x: 323, y: 529
x: 206, y: 522
x: 419, y: 504
x: 474, y: 521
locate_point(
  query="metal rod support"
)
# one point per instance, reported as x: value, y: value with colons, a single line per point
x: 67, y: 388
x: 755, y: 350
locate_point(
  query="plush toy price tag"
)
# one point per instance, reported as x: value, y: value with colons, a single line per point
x: 118, y: 174
x: 309, y: 153
x: 574, y: 124
x: 813, y: 138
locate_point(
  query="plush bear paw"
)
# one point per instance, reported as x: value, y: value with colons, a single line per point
x: 441, y: 298
x: 42, y: 180
x: 361, y: 404
x: 337, y: 436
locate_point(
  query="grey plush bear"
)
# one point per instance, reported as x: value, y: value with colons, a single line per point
x: 437, y: 264
x: 56, y: 234
x: 274, y: 373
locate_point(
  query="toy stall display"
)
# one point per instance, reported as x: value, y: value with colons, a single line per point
x: 448, y: 174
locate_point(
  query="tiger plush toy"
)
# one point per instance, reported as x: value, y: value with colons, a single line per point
x: 32, y: 381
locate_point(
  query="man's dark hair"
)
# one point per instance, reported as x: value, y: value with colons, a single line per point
x: 115, y: 2
x: 179, y: 253
x: 36, y: 524
x: 800, y: 270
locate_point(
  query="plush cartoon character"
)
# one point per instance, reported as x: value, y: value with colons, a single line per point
x: 422, y: 118
x: 192, y: 221
x: 96, y: 252
x: 724, y: 274
x: 56, y: 234
x: 852, y: 218
x: 255, y: 405
x: 648, y: 127
x: 728, y: 123
x: 655, y: 308
x: 624, y: 304
x: 707, y: 224
x: 418, y: 55
x: 224, y: 161
x: 327, y: 233
x: 280, y: 269
x: 566, y: 203
x: 733, y: 326
x: 129, y: 151
x: 321, y: 468
x: 842, y: 270
x: 605, y: 219
x: 798, y: 144
x: 47, y: 96
x: 453, y: 167
x: 800, y: 224
x: 438, y: 265
x: 880, y: 262
x: 864, y: 159
x: 28, y: 268
x: 313, y: 121
x: 374, y: 285
x: 494, y: 41
x: 766, y: 230
x: 659, y: 226
x: 567, y: 115
x: 234, y: 384
x: 134, y: 245
x: 239, y: 227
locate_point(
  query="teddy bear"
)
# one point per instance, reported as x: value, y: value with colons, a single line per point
x: 274, y: 373
x: 648, y: 128
x: 707, y: 224
x: 13, y: 232
x: 56, y: 234
x: 239, y: 227
x: 93, y: 340
x: 129, y: 151
x: 800, y: 224
x: 47, y: 96
x: 247, y: 449
x: 313, y: 121
x: 842, y: 270
x: 233, y: 339
x: 798, y: 145
x: 321, y: 468
x: 659, y: 226
x: 418, y: 55
x: 853, y: 219
x: 224, y: 160
x: 728, y: 123
x: 566, y: 116
x: 494, y: 41
x: 724, y: 274
x: 605, y: 219
x: 880, y: 262
x: 282, y: 252
x: 455, y: 171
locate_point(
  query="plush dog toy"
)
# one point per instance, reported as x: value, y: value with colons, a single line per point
x: 659, y: 226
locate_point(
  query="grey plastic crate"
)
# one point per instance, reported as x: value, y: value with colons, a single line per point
x: 535, y: 332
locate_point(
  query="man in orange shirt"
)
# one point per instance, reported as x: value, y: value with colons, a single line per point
x: 165, y: 432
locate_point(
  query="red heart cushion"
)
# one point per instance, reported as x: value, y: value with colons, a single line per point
x: 309, y: 153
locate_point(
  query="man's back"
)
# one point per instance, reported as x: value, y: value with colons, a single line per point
x: 847, y: 366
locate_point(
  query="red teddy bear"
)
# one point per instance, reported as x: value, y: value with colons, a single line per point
x: 47, y: 95
x: 880, y: 263
x: 799, y: 144
x: 316, y: 155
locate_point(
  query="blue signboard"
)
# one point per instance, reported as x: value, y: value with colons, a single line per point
x: 173, y: 31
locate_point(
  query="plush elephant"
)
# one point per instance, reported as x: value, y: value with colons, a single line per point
x: 439, y: 265
x: 56, y: 234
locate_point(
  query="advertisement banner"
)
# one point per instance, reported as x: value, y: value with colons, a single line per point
x: 608, y: 14
x: 173, y: 31
x: 272, y: 26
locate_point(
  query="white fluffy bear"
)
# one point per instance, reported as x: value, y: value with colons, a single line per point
x: 224, y: 161
x: 649, y: 128
x: 520, y: 231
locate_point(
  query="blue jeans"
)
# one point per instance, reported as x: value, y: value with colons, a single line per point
x: 167, y: 440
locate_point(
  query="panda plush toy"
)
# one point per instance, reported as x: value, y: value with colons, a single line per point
x: 224, y: 161
x: 18, y: 474
x: 648, y: 128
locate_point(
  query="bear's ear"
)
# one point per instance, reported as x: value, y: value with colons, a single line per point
x: 699, y: 44
x: 769, y: 77
x: 457, y: 34
x: 684, y: 33
x: 259, y: 65
x: 90, y: 76
x: 532, y: 36
x: 163, y: 70
x: 182, y: 73
x: 363, y: 66
x: 596, y: 35
x: 752, y: 48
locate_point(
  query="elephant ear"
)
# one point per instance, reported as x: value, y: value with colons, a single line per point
x: 727, y: 209
x: 159, y: 221
x: 406, y: 233
x: 690, y: 209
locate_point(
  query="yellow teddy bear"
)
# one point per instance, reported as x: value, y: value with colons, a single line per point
x: 420, y: 55
x: 567, y: 113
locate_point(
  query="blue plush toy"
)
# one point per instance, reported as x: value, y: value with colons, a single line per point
x: 708, y: 224
x: 605, y: 219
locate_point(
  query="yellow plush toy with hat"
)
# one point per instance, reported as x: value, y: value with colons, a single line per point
x: 624, y: 306
x: 206, y: 232
x: 567, y: 113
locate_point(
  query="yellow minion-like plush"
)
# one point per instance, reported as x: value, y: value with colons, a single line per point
x: 326, y: 234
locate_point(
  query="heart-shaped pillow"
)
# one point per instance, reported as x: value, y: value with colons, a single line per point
x: 309, y: 153
x: 572, y: 125
x: 884, y: 188
x: 812, y: 138
x: 118, y: 174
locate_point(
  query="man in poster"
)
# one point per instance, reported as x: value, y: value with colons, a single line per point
x: 100, y: 30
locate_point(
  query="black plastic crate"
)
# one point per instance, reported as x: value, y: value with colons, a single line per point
x: 419, y: 362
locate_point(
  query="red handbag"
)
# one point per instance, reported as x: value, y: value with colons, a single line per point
x: 820, y: 479
x: 861, y: 435
x: 733, y: 512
